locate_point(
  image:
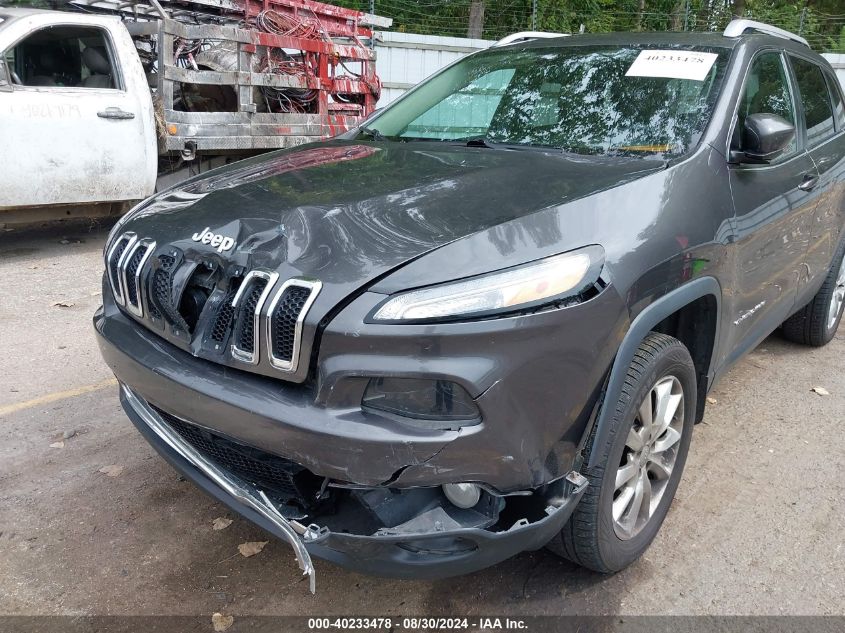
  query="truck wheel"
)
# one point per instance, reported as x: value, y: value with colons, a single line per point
x: 816, y: 323
x: 640, y: 464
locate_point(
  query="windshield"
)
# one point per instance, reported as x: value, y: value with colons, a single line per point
x: 587, y: 100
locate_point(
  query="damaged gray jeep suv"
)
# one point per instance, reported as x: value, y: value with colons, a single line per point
x: 486, y: 321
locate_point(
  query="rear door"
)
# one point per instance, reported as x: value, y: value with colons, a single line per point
x: 824, y: 121
x: 72, y: 132
x: 773, y: 211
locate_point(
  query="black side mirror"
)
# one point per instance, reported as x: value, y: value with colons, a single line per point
x: 764, y: 137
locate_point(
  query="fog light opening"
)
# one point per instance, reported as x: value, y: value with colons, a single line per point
x: 426, y: 403
x: 464, y: 495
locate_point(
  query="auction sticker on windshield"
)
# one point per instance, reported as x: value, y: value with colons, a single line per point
x: 672, y: 64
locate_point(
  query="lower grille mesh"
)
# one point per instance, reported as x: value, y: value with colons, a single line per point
x: 270, y: 472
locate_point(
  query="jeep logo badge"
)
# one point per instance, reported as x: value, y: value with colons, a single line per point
x: 220, y: 242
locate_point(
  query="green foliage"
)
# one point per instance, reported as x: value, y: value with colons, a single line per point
x: 822, y: 22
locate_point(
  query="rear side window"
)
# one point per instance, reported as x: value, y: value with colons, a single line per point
x: 818, y: 114
x: 63, y: 56
x: 838, y: 109
x: 766, y: 91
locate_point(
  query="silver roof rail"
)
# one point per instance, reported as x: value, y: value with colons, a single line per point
x: 527, y: 35
x: 738, y: 27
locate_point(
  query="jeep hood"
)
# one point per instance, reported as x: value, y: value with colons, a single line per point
x: 348, y: 212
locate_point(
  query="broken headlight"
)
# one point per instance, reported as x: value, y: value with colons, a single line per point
x: 521, y: 287
x: 439, y: 402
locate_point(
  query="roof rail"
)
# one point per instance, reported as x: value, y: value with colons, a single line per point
x: 739, y: 27
x: 527, y: 35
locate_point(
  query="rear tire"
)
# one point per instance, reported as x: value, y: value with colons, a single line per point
x: 608, y: 530
x: 816, y: 323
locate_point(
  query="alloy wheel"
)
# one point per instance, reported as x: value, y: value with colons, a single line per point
x: 837, y: 298
x: 651, y: 450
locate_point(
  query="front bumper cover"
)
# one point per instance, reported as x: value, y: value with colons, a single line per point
x: 534, y: 378
x: 428, y: 554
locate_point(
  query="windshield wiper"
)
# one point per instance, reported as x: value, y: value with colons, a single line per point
x: 480, y: 141
x: 373, y: 133
x: 483, y: 141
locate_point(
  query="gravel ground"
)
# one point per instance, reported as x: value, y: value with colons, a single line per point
x: 756, y: 527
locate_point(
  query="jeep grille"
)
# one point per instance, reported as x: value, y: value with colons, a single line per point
x: 143, y: 285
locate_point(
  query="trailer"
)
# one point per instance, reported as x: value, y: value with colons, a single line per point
x: 294, y: 70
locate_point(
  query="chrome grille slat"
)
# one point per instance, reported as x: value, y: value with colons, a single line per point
x: 114, y: 259
x: 131, y: 265
x: 284, y: 322
x: 245, y: 330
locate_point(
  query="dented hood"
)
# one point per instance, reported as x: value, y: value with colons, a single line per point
x: 348, y: 212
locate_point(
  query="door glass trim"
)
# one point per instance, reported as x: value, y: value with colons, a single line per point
x: 794, y: 75
x: 800, y: 145
x: 833, y: 86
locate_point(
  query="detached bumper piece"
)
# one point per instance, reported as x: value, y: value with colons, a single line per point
x: 232, y: 486
x: 402, y: 533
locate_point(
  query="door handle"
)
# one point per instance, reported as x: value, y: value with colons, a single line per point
x: 809, y: 182
x: 115, y: 113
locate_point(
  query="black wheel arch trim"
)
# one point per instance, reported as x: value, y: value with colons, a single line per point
x: 644, y: 322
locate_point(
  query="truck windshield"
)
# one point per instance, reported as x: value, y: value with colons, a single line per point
x: 585, y: 100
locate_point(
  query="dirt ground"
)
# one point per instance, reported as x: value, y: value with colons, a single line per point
x: 756, y: 528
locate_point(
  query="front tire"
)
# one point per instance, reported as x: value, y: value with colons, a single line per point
x: 816, y: 323
x: 640, y: 464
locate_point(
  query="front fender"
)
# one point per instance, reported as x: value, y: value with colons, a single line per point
x: 640, y: 327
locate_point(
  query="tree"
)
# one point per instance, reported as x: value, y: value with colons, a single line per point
x: 476, y: 19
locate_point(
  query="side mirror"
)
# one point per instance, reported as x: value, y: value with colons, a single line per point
x: 764, y: 136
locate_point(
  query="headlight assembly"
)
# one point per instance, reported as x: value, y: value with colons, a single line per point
x: 533, y: 284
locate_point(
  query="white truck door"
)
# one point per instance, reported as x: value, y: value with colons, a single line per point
x: 76, y: 120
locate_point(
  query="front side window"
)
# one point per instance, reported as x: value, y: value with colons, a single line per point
x: 766, y: 91
x: 578, y: 99
x: 812, y: 87
x: 62, y: 56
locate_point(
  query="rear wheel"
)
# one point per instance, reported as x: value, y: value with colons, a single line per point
x: 640, y: 464
x: 816, y: 323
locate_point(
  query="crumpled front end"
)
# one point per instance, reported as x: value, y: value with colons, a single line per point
x: 415, y: 533
x: 238, y: 317
x: 361, y: 487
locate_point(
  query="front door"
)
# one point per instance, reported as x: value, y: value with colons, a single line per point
x: 773, y: 206
x: 70, y: 131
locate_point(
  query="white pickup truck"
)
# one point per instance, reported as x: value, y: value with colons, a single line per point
x: 96, y: 105
x: 77, y: 124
